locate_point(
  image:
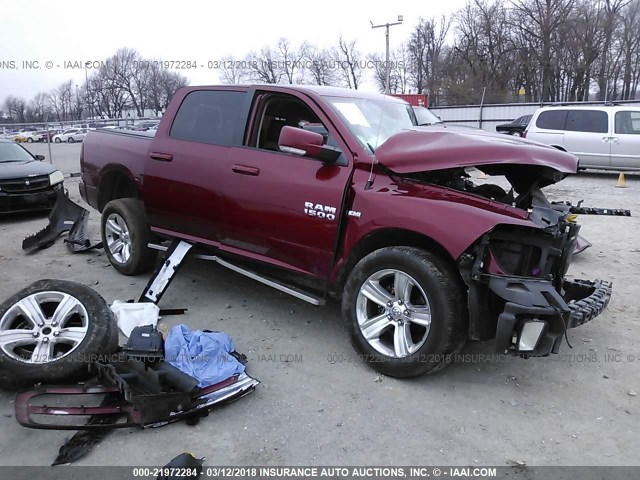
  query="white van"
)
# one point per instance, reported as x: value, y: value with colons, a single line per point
x: 606, y: 137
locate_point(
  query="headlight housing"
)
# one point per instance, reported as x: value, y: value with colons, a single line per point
x: 56, y: 177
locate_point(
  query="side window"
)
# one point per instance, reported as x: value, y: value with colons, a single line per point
x: 595, y: 121
x: 208, y: 116
x: 552, y: 119
x: 627, y: 123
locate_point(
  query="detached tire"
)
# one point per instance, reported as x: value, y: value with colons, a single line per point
x: 405, y: 311
x: 125, y: 236
x: 50, y: 331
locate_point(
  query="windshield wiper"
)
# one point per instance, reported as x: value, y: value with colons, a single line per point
x: 371, y: 148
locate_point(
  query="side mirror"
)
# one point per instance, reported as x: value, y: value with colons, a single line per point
x: 39, y: 157
x: 305, y: 143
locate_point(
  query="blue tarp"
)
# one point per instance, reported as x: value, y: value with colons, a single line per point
x: 203, y: 355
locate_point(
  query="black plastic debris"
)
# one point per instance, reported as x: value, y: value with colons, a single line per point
x: 66, y: 216
x: 83, y: 441
x: 183, y: 465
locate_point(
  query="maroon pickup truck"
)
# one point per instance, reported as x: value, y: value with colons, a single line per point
x: 331, y: 193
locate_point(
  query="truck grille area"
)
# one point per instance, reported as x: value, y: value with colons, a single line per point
x: 25, y: 185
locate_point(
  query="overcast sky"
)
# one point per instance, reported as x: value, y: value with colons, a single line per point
x: 184, y: 30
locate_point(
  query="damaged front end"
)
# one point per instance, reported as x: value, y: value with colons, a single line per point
x: 515, y: 274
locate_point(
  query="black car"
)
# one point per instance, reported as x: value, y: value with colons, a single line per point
x: 26, y: 183
x: 515, y: 127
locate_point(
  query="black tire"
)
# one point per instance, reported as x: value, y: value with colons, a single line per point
x: 141, y: 258
x: 57, y: 140
x: 29, y: 140
x: 100, y: 339
x: 70, y: 140
x: 440, y: 283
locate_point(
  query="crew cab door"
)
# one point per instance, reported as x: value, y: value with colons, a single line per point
x: 186, y: 163
x: 280, y: 207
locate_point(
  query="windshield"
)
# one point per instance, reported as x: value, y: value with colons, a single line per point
x: 425, y: 116
x: 11, y: 152
x: 372, y: 122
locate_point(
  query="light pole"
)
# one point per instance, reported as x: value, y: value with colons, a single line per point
x: 388, y: 65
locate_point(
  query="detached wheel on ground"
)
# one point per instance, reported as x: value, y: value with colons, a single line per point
x: 125, y: 236
x: 405, y: 311
x: 50, y: 331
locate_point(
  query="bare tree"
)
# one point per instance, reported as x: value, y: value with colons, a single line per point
x: 426, y: 52
x: 16, y: 108
x: 234, y: 71
x: 263, y: 66
x: 320, y: 66
x: 349, y: 63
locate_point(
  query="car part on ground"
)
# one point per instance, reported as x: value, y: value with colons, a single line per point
x: 150, y: 394
x: 66, y: 216
x: 50, y: 331
x: 181, y: 465
x: 126, y: 236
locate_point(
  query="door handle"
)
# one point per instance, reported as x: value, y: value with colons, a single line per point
x: 605, y: 139
x: 614, y: 139
x: 246, y: 170
x: 162, y: 157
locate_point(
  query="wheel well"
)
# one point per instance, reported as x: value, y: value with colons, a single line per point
x: 115, y: 184
x: 390, y: 237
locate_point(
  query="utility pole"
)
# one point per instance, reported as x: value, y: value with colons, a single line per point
x: 387, y: 88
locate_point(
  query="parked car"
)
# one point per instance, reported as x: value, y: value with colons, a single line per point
x: 143, y: 126
x: 72, y: 135
x: 425, y: 116
x: 49, y: 133
x: 605, y: 137
x: 26, y: 183
x: 329, y: 192
x: 515, y: 127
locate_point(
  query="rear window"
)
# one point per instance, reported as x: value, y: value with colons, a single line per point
x: 552, y: 119
x: 595, y: 121
x: 208, y: 116
x: 628, y: 123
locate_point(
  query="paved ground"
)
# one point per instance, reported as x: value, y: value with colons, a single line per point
x: 317, y: 404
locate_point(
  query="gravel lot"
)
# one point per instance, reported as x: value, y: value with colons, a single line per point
x: 318, y: 405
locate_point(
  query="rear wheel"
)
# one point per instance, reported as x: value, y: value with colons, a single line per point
x: 405, y: 311
x: 126, y: 235
x: 70, y: 140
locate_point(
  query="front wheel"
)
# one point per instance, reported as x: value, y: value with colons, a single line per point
x: 29, y: 140
x: 57, y: 140
x: 405, y: 311
x: 126, y: 235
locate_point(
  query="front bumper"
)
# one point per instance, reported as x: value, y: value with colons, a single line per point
x: 533, y: 300
x: 29, y: 201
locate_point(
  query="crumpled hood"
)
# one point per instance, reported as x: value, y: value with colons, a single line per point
x: 440, y: 147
